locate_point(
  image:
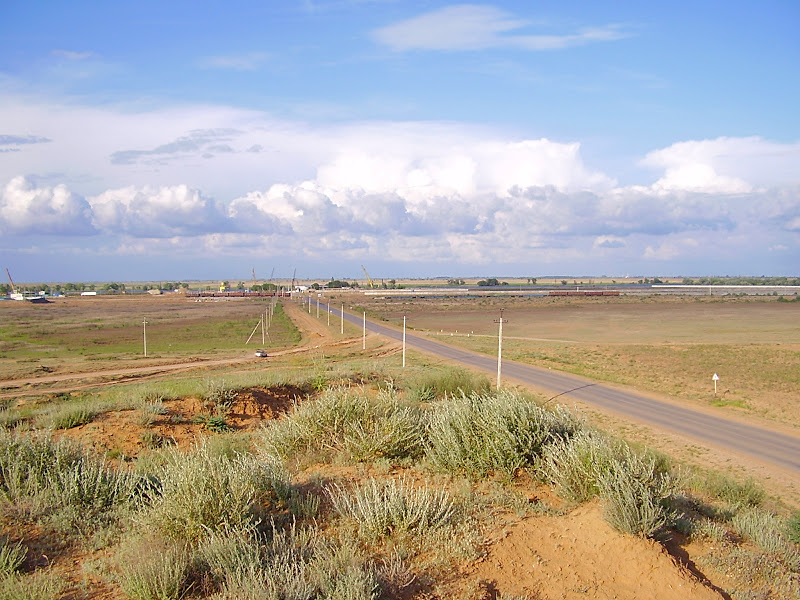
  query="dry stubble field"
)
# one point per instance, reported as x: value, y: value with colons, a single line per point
x: 670, y: 346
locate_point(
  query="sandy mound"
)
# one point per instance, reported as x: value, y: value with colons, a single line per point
x: 580, y: 556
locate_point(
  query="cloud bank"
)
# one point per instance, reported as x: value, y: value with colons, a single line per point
x: 414, y: 193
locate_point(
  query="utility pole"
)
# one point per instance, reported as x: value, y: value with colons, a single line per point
x: 341, y: 329
x: 404, y: 341
x: 501, y: 320
x: 144, y: 334
x: 364, y: 334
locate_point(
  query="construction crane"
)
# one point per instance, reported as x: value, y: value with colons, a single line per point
x: 253, y: 273
x: 15, y: 295
x: 11, y: 281
x: 369, y: 279
x: 293, y: 278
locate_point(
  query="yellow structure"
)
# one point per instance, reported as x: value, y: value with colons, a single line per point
x: 369, y: 279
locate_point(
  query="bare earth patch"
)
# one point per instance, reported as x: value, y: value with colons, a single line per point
x: 579, y: 555
x: 124, y: 434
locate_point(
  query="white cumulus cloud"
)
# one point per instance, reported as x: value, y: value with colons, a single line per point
x: 725, y: 165
x: 157, y: 213
x: 27, y: 209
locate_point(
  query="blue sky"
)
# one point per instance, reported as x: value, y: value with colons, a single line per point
x: 178, y: 140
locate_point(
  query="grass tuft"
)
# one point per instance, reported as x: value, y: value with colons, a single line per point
x: 69, y: 416
x: 154, y: 570
x: 343, y: 420
x: 42, y: 585
x: 203, y: 491
x: 480, y: 434
x: 11, y: 558
x: 381, y: 508
x: 574, y: 466
x: 636, y: 495
x: 292, y: 563
x: 43, y: 478
x: 768, y: 532
x: 433, y: 384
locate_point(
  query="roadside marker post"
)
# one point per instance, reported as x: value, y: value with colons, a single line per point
x: 716, y: 379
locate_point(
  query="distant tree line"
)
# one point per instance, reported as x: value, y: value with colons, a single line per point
x: 742, y: 281
x: 491, y: 282
x: 111, y: 287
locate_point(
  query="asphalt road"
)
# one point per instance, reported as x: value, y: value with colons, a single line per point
x: 769, y: 446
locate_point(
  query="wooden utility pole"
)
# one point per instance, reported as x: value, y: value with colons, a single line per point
x: 501, y: 320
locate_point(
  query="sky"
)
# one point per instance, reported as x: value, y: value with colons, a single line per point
x: 196, y: 139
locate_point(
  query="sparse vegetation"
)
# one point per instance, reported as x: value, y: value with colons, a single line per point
x: 345, y: 420
x: 376, y: 483
x: 440, y: 383
x: 381, y: 508
x: 71, y: 416
x: 204, y: 491
x: 636, y: 495
x: 480, y: 434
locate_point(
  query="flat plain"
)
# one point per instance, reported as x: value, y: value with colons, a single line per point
x: 665, y: 345
x: 72, y: 368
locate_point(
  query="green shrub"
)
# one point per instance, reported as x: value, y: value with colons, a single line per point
x: 768, y: 532
x: 574, y: 466
x: 41, y: 476
x: 451, y: 381
x: 478, y: 434
x: 213, y: 423
x: 153, y: 570
x: 636, y: 495
x: 11, y: 558
x: 203, y: 491
x: 347, y: 420
x: 380, y: 508
x: 37, y: 586
x: 220, y: 396
x: 70, y: 416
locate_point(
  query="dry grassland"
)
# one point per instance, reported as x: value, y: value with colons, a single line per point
x: 664, y: 345
x: 79, y: 334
